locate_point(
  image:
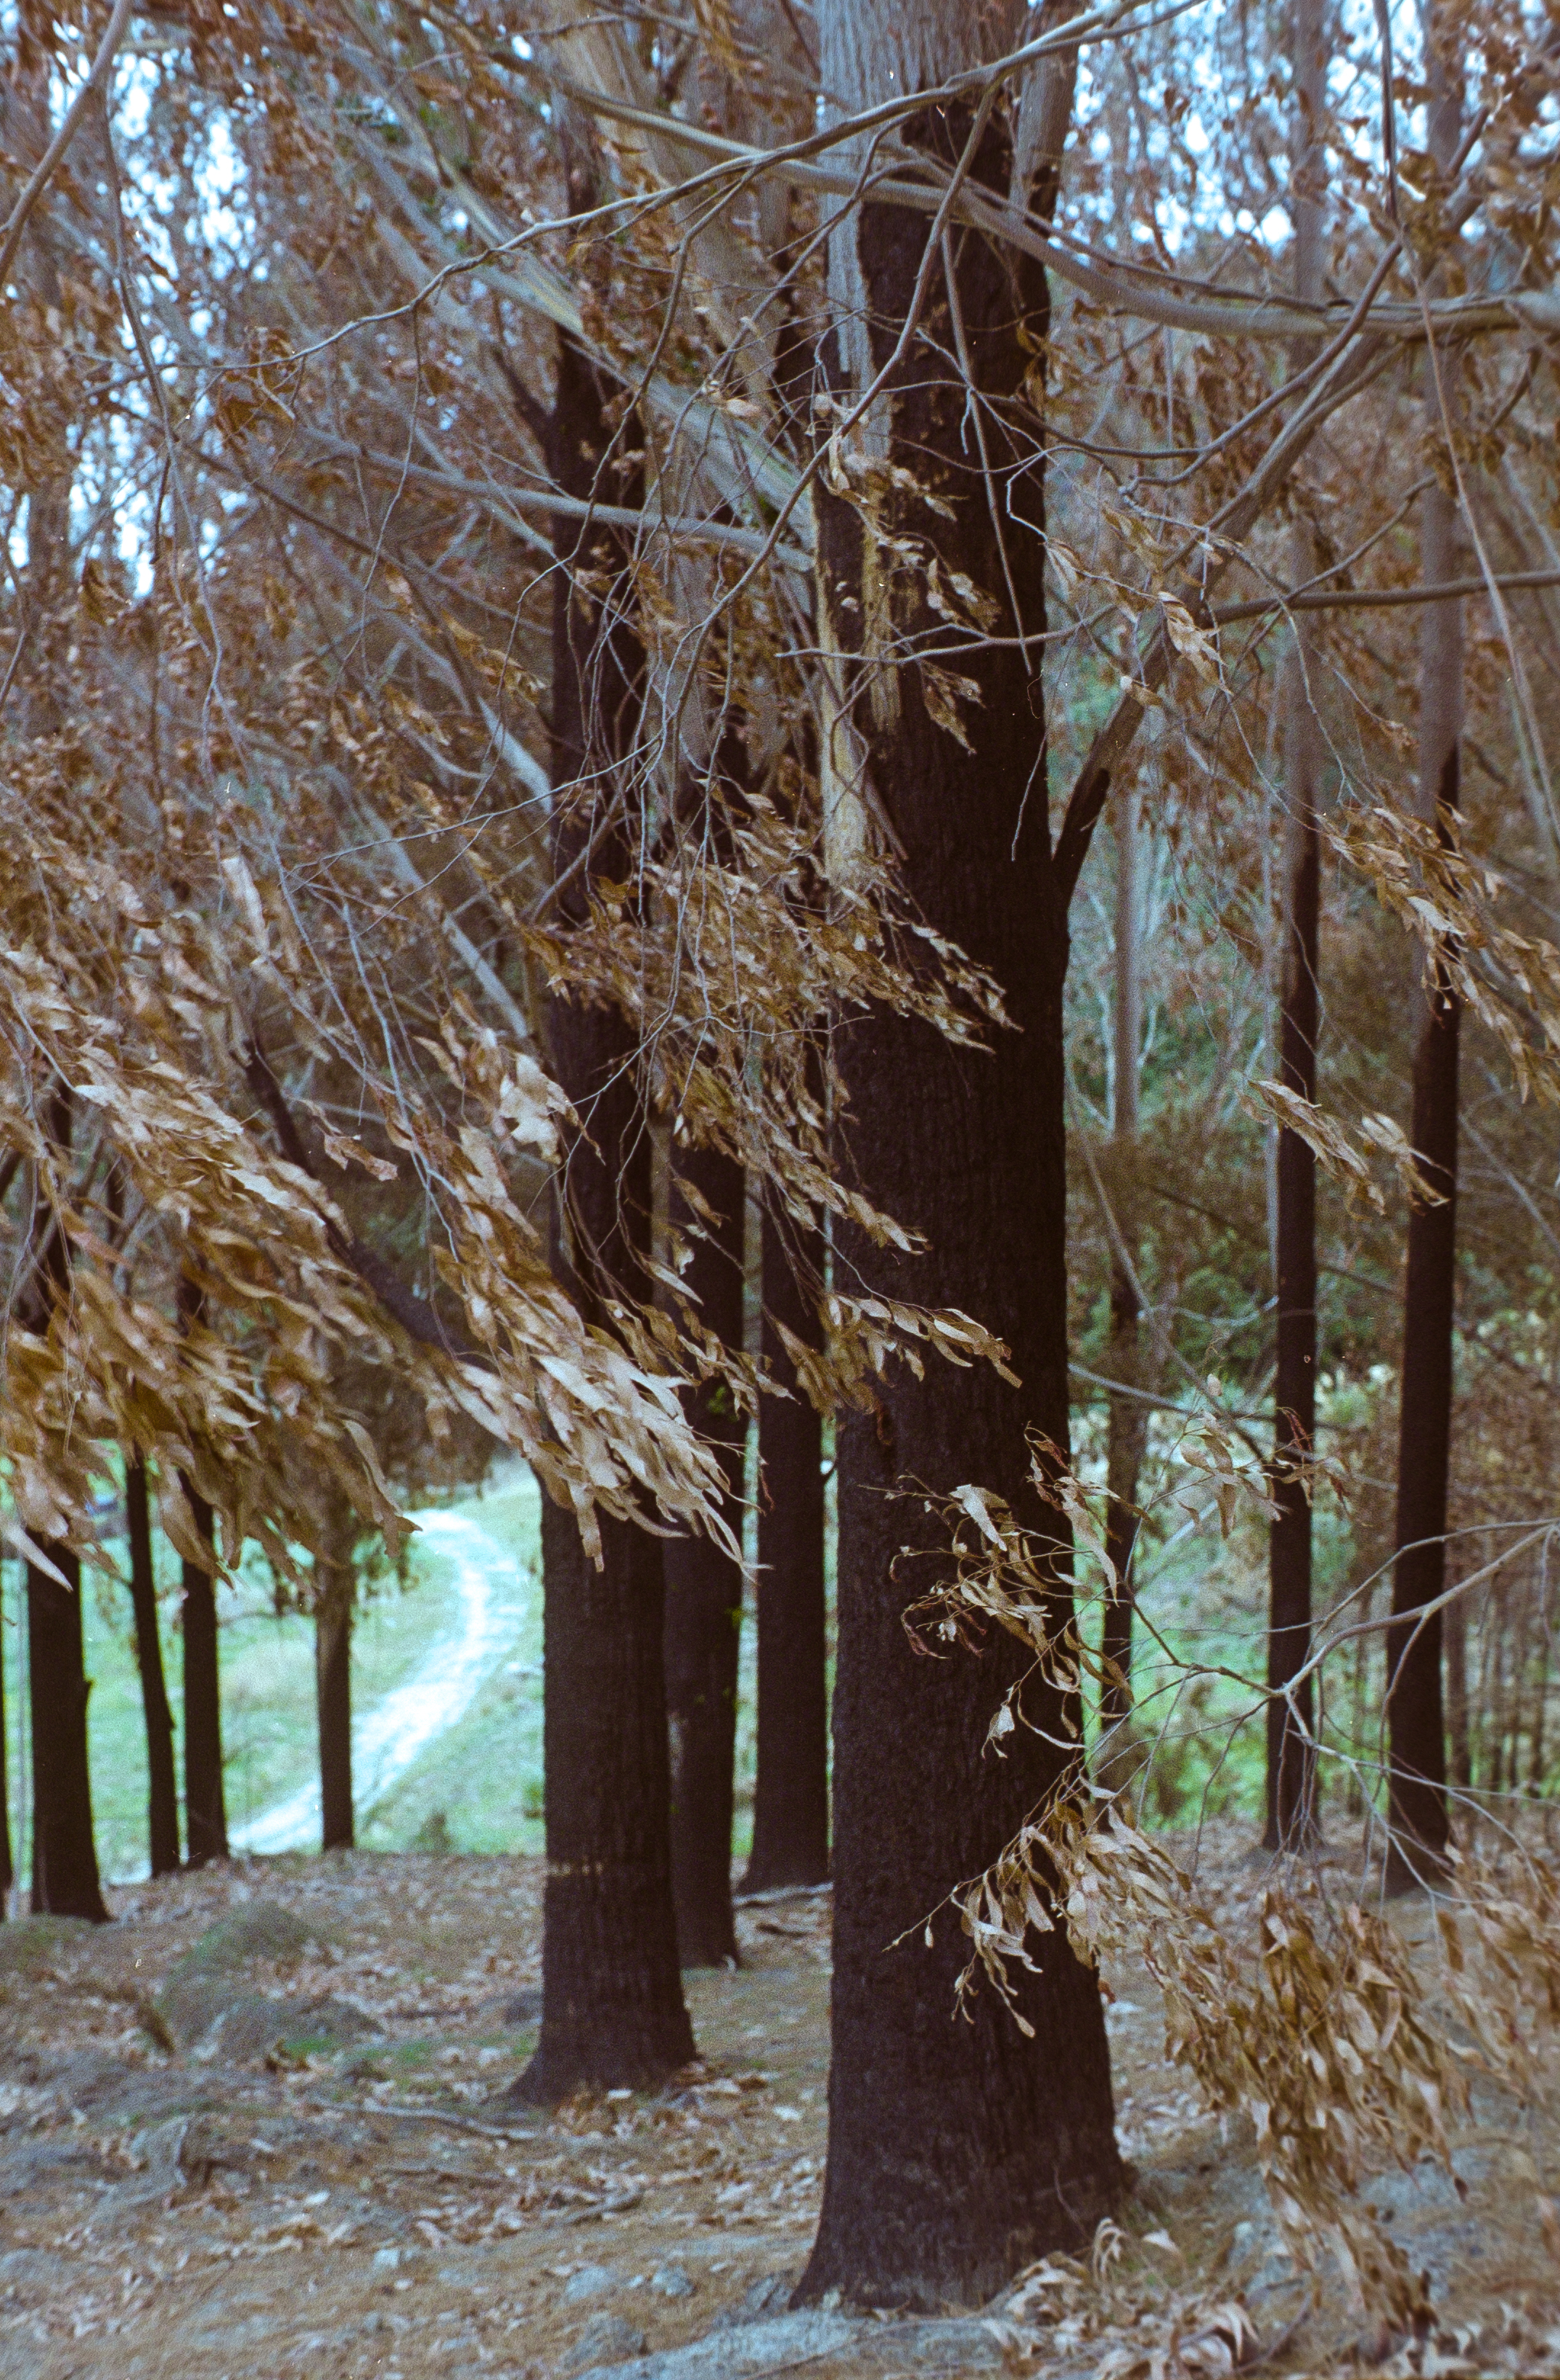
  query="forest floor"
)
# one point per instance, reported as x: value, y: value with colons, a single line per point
x: 256, y: 2128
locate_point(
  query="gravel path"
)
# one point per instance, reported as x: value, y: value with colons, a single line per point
x: 389, y: 1736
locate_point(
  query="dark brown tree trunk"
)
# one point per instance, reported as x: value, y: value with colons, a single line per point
x: 1418, y: 1831
x: 1418, y: 1753
x: 1291, y: 1767
x: 162, y: 1799
x: 958, y: 2151
x: 205, y: 1808
x: 65, y: 1860
x: 704, y: 1596
x: 1291, y: 1760
x: 790, y: 1802
x: 332, y: 1692
x: 612, y: 2008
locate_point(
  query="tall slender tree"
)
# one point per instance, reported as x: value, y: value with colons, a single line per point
x: 65, y: 1861
x: 704, y: 1589
x: 162, y: 1805
x: 335, y: 1592
x: 957, y: 2150
x: 612, y: 2006
x: 791, y: 1795
x: 205, y: 1805
x: 1290, y: 1760
x: 1126, y: 1433
x: 1416, y: 1817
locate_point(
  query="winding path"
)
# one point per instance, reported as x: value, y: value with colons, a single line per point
x: 387, y: 1739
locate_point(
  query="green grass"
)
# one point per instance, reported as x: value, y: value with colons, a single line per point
x: 485, y: 1774
x: 477, y: 1788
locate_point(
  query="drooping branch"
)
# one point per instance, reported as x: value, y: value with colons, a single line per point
x: 417, y: 1316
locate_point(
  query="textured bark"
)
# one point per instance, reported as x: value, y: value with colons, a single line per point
x: 333, y: 1692
x: 1417, y: 1801
x: 1126, y: 1426
x: 1417, y: 1747
x: 790, y: 1803
x: 205, y: 1807
x: 958, y: 2150
x: 1291, y: 1761
x: 65, y: 1860
x: 612, y: 2008
x: 704, y: 1598
x: 161, y: 1798
x: 205, y: 1810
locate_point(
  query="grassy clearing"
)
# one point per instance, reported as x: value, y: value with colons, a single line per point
x: 485, y: 1774
x: 477, y: 1788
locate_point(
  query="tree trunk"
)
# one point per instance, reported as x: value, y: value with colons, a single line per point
x: 162, y: 1803
x: 333, y: 1688
x: 205, y: 1809
x: 1126, y: 1429
x: 958, y: 2151
x: 1417, y: 1749
x: 703, y: 1597
x: 65, y: 1860
x: 1290, y: 1714
x: 612, y: 2008
x: 791, y: 1803
x: 1291, y: 1760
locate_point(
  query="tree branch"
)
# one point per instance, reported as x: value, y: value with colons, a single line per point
x: 417, y: 1316
x: 10, y: 238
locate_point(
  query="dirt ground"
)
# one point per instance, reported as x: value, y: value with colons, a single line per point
x: 255, y: 2127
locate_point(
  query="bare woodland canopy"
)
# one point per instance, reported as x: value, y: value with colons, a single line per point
x: 943, y: 617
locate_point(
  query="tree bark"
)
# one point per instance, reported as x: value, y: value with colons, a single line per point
x: 332, y: 1688
x: 1417, y: 1742
x: 612, y: 2008
x: 790, y: 1803
x: 205, y: 1808
x: 703, y: 1597
x: 163, y: 1804
x: 958, y: 2151
x: 1290, y: 1713
x: 1291, y: 1761
x: 1126, y: 1427
x: 1417, y: 1816
x: 65, y: 1860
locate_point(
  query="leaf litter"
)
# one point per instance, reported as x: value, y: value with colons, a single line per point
x: 336, y: 2184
